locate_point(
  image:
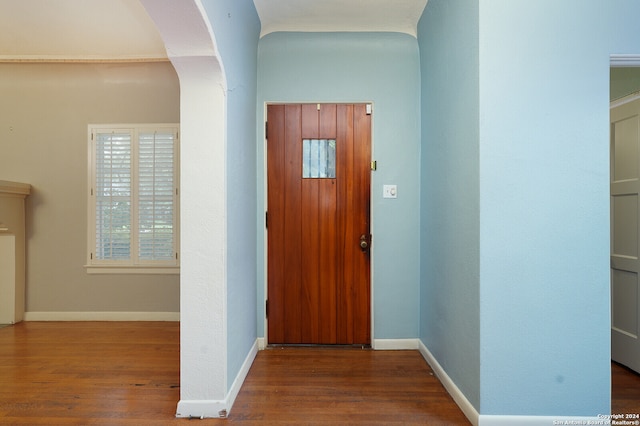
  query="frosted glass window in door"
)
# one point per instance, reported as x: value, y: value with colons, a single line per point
x: 319, y: 158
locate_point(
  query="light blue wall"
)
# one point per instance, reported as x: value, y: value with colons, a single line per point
x: 544, y: 203
x: 537, y: 135
x: 450, y: 232
x: 236, y: 27
x: 525, y: 252
x: 382, y: 68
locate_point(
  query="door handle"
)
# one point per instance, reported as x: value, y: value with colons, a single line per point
x: 364, y: 244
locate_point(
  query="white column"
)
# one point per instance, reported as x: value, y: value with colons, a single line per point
x: 203, y: 279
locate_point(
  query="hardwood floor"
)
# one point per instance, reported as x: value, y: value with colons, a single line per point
x: 92, y: 373
x: 344, y: 386
x: 625, y: 390
x: 118, y: 373
x: 89, y: 373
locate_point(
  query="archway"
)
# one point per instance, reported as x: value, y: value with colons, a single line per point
x: 190, y: 45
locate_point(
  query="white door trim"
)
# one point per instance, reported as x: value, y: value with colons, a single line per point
x: 624, y: 60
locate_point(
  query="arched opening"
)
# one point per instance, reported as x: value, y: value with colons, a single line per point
x: 191, y: 48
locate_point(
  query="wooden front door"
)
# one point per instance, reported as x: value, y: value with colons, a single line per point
x: 318, y: 183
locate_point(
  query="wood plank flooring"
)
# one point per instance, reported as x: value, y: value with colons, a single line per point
x: 92, y: 373
x: 118, y: 373
x: 625, y: 390
x: 89, y: 373
x: 344, y: 386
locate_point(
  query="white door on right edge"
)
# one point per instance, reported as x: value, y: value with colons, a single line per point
x: 625, y: 219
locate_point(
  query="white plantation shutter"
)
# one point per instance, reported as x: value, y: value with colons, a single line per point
x: 156, y: 189
x: 134, y: 192
x: 113, y: 195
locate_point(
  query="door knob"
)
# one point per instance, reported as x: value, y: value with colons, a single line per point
x: 364, y: 245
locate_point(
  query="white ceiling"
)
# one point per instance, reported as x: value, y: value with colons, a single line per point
x: 60, y: 30
x: 340, y: 15
x: 77, y: 30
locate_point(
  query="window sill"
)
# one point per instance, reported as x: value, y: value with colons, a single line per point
x: 149, y: 270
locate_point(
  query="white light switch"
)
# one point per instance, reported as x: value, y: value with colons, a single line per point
x: 389, y: 191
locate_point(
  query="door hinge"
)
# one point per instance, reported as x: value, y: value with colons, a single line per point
x: 374, y: 165
x: 369, y: 109
x: 266, y: 308
x: 266, y: 130
x: 266, y: 219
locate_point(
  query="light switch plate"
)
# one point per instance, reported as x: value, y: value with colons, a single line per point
x: 389, y: 191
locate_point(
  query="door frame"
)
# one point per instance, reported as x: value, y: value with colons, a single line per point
x: 627, y: 99
x: 620, y: 61
x: 264, y: 206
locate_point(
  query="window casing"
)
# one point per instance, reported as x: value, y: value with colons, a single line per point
x: 133, y: 199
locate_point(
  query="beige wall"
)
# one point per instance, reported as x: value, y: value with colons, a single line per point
x: 44, y: 113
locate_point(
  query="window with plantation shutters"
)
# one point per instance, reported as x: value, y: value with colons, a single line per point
x: 133, y: 224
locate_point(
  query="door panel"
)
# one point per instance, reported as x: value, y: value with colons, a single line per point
x: 625, y: 218
x: 346, y: 197
x: 318, y: 278
x: 362, y: 178
x: 292, y: 252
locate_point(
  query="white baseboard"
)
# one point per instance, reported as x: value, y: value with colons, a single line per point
x: 215, y: 408
x: 102, y: 316
x: 262, y: 345
x: 242, y: 375
x: 467, y: 408
x: 395, y: 344
x: 196, y: 409
x: 496, y: 420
